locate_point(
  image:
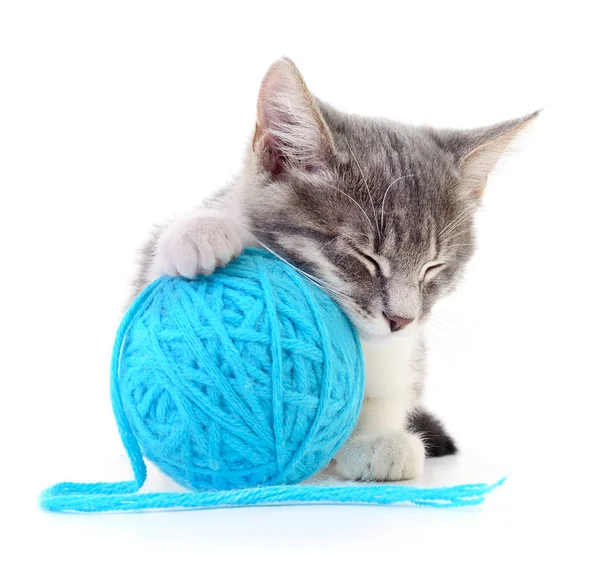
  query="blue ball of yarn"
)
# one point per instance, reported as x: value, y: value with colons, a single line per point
x: 252, y: 376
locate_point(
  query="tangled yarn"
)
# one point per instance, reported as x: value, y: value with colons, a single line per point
x: 251, y: 376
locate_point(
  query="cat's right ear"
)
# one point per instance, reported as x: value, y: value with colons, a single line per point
x: 291, y: 133
x: 478, y: 150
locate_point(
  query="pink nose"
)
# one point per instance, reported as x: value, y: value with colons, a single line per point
x: 397, y: 323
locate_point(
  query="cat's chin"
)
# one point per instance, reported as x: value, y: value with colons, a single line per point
x: 371, y: 332
x: 376, y: 335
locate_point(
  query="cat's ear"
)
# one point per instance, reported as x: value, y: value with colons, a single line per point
x: 478, y: 151
x: 290, y: 131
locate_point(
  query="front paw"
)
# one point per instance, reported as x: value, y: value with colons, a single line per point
x: 196, y: 245
x: 390, y: 457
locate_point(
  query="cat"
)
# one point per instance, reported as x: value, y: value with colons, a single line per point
x: 377, y: 213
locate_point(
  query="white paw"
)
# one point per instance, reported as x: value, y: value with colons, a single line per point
x: 196, y: 245
x: 390, y: 457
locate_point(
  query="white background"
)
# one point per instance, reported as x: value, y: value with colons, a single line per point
x: 114, y: 115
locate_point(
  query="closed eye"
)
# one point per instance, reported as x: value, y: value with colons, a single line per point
x: 370, y: 259
x: 430, y: 270
x: 372, y: 265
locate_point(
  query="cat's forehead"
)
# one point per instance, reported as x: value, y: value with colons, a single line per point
x: 392, y: 158
x: 392, y: 181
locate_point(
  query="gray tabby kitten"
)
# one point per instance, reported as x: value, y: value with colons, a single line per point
x: 378, y: 214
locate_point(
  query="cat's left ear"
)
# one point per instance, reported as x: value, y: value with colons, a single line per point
x: 478, y: 151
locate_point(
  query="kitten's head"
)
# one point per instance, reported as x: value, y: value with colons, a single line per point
x: 378, y: 213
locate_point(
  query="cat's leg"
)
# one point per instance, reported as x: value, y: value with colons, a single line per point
x: 431, y: 430
x: 196, y: 242
x: 381, y: 447
x: 392, y: 439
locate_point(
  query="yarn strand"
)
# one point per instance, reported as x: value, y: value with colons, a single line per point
x: 61, y: 499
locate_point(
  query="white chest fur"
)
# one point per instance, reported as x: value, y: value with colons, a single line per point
x: 390, y: 380
x: 389, y: 369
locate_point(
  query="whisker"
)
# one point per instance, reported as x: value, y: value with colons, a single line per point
x: 451, y: 223
x: 462, y: 216
x: 431, y: 336
x: 448, y: 233
x: 446, y: 328
x: 387, y: 191
x: 366, y: 185
x: 456, y: 226
x: 299, y: 269
x: 355, y: 202
x: 314, y: 280
x: 455, y: 235
x: 329, y: 242
x: 451, y: 313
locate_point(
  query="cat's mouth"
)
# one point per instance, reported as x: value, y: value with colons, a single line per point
x: 375, y: 330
